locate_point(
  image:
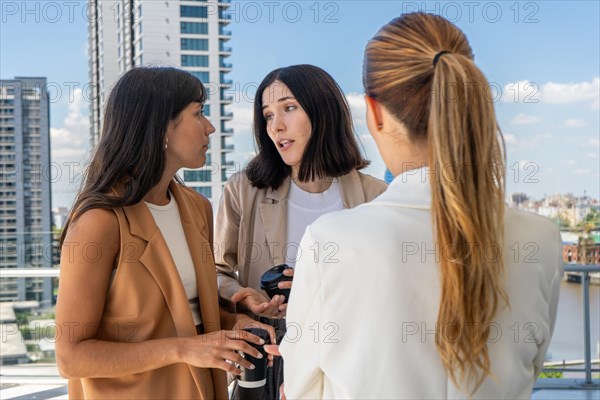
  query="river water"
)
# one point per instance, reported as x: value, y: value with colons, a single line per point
x: 567, y: 341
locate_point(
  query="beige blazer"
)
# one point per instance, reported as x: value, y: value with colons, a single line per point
x: 250, y: 233
x: 146, y: 300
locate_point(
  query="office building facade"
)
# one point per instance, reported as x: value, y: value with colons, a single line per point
x: 25, y: 182
x: 187, y: 34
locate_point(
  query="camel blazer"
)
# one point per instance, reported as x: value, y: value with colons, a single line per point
x: 146, y: 300
x: 250, y: 234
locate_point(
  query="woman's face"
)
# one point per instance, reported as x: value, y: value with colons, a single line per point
x: 288, y: 125
x: 188, y: 137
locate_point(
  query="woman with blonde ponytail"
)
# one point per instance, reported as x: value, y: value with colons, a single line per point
x: 435, y: 289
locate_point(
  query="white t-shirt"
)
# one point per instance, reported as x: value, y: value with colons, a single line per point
x: 303, y: 209
x: 169, y: 222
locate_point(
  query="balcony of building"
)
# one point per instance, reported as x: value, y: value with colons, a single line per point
x: 224, y: 50
x: 225, y: 145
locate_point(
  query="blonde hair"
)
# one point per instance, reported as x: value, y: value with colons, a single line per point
x: 448, y: 104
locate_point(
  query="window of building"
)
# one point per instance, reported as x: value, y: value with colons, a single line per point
x: 202, y: 75
x: 194, y: 44
x: 200, y: 28
x: 193, y: 11
x: 223, y: 14
x: 197, y: 176
x: 194, y: 61
x: 205, y: 191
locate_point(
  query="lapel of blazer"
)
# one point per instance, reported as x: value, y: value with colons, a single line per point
x: 351, y: 189
x: 157, y: 259
x: 196, y: 228
x: 273, y: 213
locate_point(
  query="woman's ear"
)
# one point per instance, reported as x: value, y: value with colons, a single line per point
x: 374, y: 114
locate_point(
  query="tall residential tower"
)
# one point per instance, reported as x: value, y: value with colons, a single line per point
x: 25, y: 177
x: 187, y: 34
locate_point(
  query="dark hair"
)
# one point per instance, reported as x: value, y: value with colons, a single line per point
x: 332, y: 149
x: 130, y: 156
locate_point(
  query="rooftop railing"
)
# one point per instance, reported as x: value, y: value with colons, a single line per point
x: 588, y: 382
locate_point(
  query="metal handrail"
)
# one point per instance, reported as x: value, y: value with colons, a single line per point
x: 585, y: 270
x: 29, y: 272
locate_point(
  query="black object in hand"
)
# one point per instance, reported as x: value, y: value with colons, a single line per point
x: 270, y: 279
x: 257, y: 377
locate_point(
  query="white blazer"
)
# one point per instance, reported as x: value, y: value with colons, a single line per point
x: 364, y: 304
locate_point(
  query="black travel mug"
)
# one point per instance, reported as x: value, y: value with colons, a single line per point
x: 270, y: 279
x: 255, y: 378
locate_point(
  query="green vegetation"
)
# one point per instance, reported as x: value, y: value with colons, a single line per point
x: 551, y: 374
x: 22, y: 318
x: 590, y: 222
x: 31, y: 347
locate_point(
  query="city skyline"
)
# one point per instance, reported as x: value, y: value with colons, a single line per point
x: 544, y: 73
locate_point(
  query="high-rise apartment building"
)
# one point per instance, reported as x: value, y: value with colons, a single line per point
x: 25, y: 177
x: 187, y: 34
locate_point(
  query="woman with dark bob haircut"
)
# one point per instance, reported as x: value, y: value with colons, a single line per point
x: 137, y: 312
x: 306, y: 166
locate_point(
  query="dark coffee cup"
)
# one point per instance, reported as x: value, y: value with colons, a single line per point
x: 257, y: 377
x: 270, y: 279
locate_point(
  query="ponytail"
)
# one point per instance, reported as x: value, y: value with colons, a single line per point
x: 466, y: 159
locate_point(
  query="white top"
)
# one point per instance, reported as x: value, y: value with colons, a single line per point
x: 169, y: 222
x: 303, y: 209
x: 361, y: 326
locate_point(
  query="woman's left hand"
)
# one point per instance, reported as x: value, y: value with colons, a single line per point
x: 242, y: 321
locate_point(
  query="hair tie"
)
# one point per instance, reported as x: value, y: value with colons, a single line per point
x: 438, y: 55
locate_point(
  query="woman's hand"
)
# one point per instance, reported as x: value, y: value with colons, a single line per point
x: 285, y: 285
x: 259, y: 304
x: 243, y: 321
x: 273, y: 350
x: 220, y: 350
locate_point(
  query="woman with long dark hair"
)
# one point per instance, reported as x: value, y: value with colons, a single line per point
x: 440, y: 291
x: 307, y: 165
x: 137, y: 312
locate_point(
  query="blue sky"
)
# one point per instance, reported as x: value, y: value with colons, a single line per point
x: 544, y: 58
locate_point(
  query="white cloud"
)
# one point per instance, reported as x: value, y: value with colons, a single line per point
x: 570, y: 162
x: 534, y: 142
x: 594, y: 142
x: 523, y: 119
x: 70, y: 145
x: 561, y: 93
x: 581, y: 171
x: 243, y: 116
x: 575, y: 123
x: 358, y: 108
x: 526, y: 91
x: 509, y: 138
x: 71, y: 141
x: 523, y: 164
x: 591, y: 155
x: 520, y: 92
